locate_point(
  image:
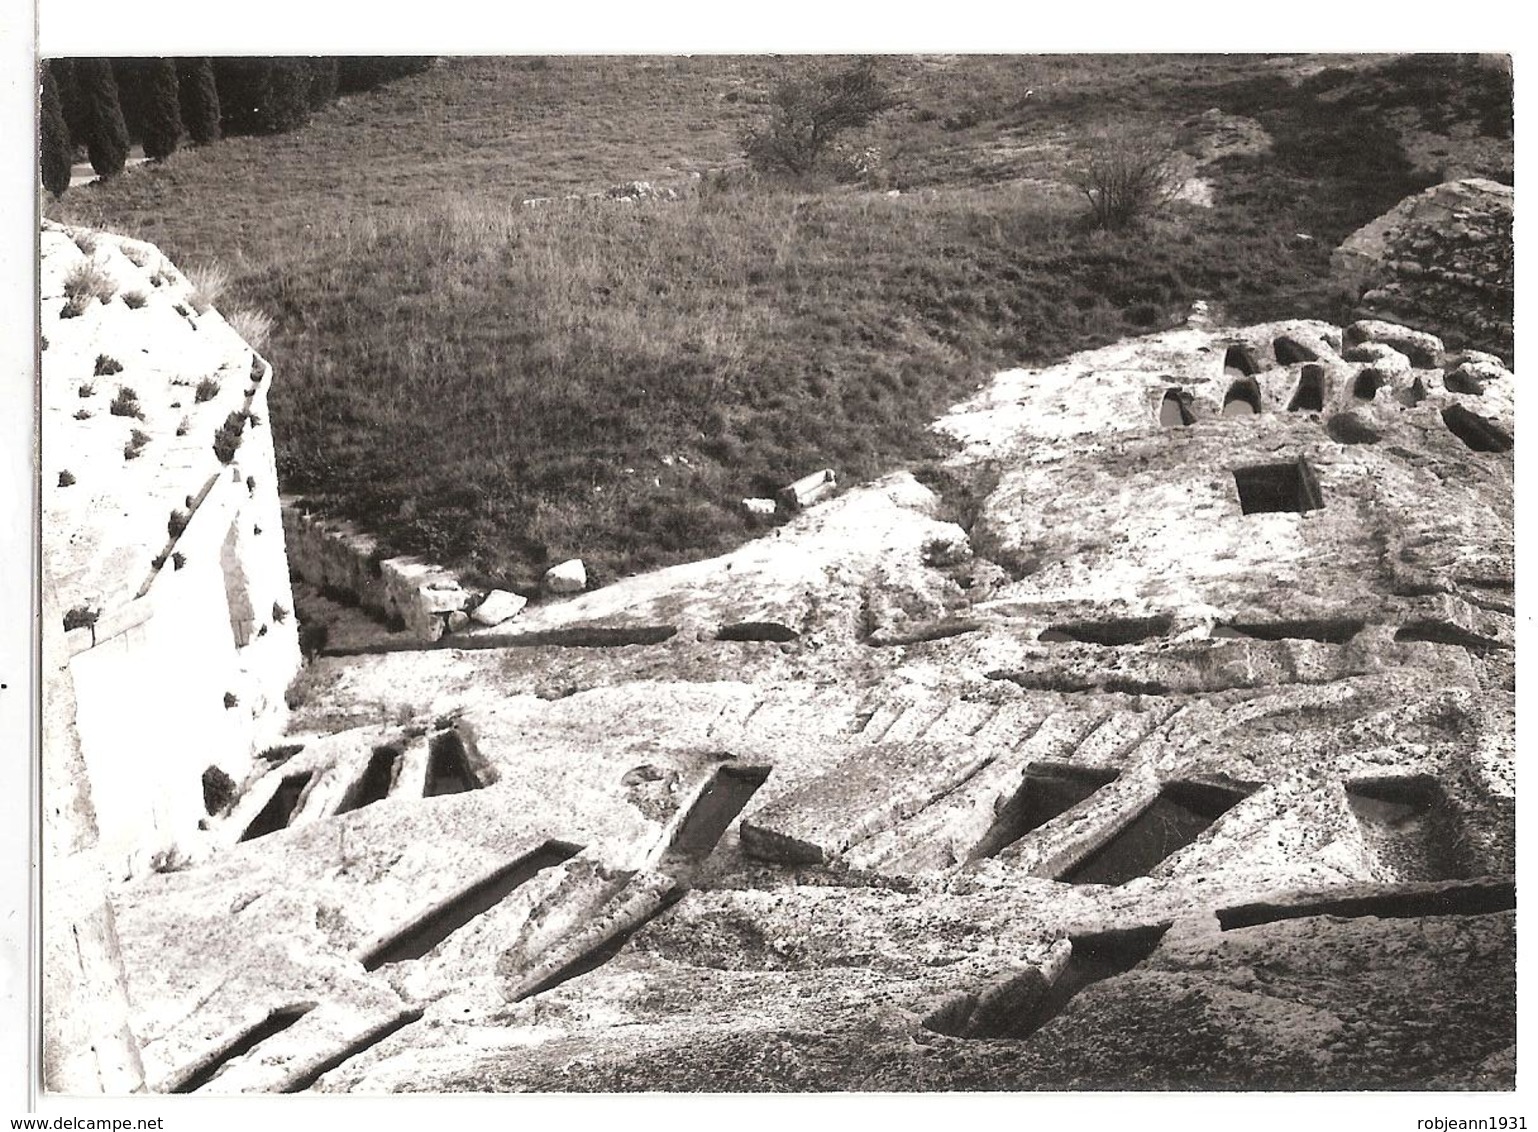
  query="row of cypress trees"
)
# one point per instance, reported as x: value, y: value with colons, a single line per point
x: 107, y: 104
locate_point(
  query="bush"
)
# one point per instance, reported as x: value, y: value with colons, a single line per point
x: 810, y: 114
x: 56, y: 153
x: 107, y: 134
x: 1128, y: 179
x: 207, y: 390
x: 199, y: 99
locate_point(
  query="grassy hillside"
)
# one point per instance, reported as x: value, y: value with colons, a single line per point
x: 501, y: 386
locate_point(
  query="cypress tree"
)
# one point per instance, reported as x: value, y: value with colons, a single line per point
x: 131, y: 78
x: 288, y: 96
x: 199, y: 99
x: 107, y: 138
x: 76, y: 117
x: 162, y: 110
x: 56, y: 152
x: 245, y: 89
x: 323, y: 82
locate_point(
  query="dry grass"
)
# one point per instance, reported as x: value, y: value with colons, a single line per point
x: 254, y: 326
x: 497, y: 386
x: 209, y: 281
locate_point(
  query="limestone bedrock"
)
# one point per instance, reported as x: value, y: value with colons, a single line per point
x: 1036, y: 717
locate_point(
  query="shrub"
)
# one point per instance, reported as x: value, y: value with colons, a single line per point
x: 135, y: 445
x: 162, y: 122
x: 86, y: 389
x: 106, y: 366
x: 810, y: 113
x: 56, y: 153
x: 66, y: 478
x: 80, y: 617
x: 199, y: 99
x: 107, y: 134
x: 218, y: 790
x: 230, y: 700
x: 82, y: 414
x: 177, y: 523
x: 207, y: 390
x: 227, y: 439
x: 178, y: 560
x: 126, y: 404
x: 1128, y: 179
x: 133, y: 300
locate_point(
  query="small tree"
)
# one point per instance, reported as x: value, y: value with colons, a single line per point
x: 162, y: 109
x: 1128, y: 178
x: 106, y: 142
x: 809, y: 113
x: 56, y: 154
x: 199, y: 99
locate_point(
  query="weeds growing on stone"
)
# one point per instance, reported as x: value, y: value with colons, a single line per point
x: 86, y: 281
x: 227, y: 438
x: 126, y: 404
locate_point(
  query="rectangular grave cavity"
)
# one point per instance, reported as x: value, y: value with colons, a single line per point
x: 757, y: 631
x: 368, y: 1041
x: 1475, y: 898
x: 1278, y: 487
x: 1180, y: 814
x: 630, y: 910
x: 1049, y: 789
x: 215, y: 1063
x: 1018, y: 1007
x: 376, y: 781
x: 1476, y: 432
x: 448, y: 766
x: 1310, y: 393
x: 280, y: 808
x: 714, y: 809
x: 1329, y: 630
x: 426, y: 932
x: 1109, y: 631
x: 1409, y: 827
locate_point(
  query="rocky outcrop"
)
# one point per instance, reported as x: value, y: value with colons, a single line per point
x: 1441, y: 261
x: 162, y: 531
x: 1125, y: 747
